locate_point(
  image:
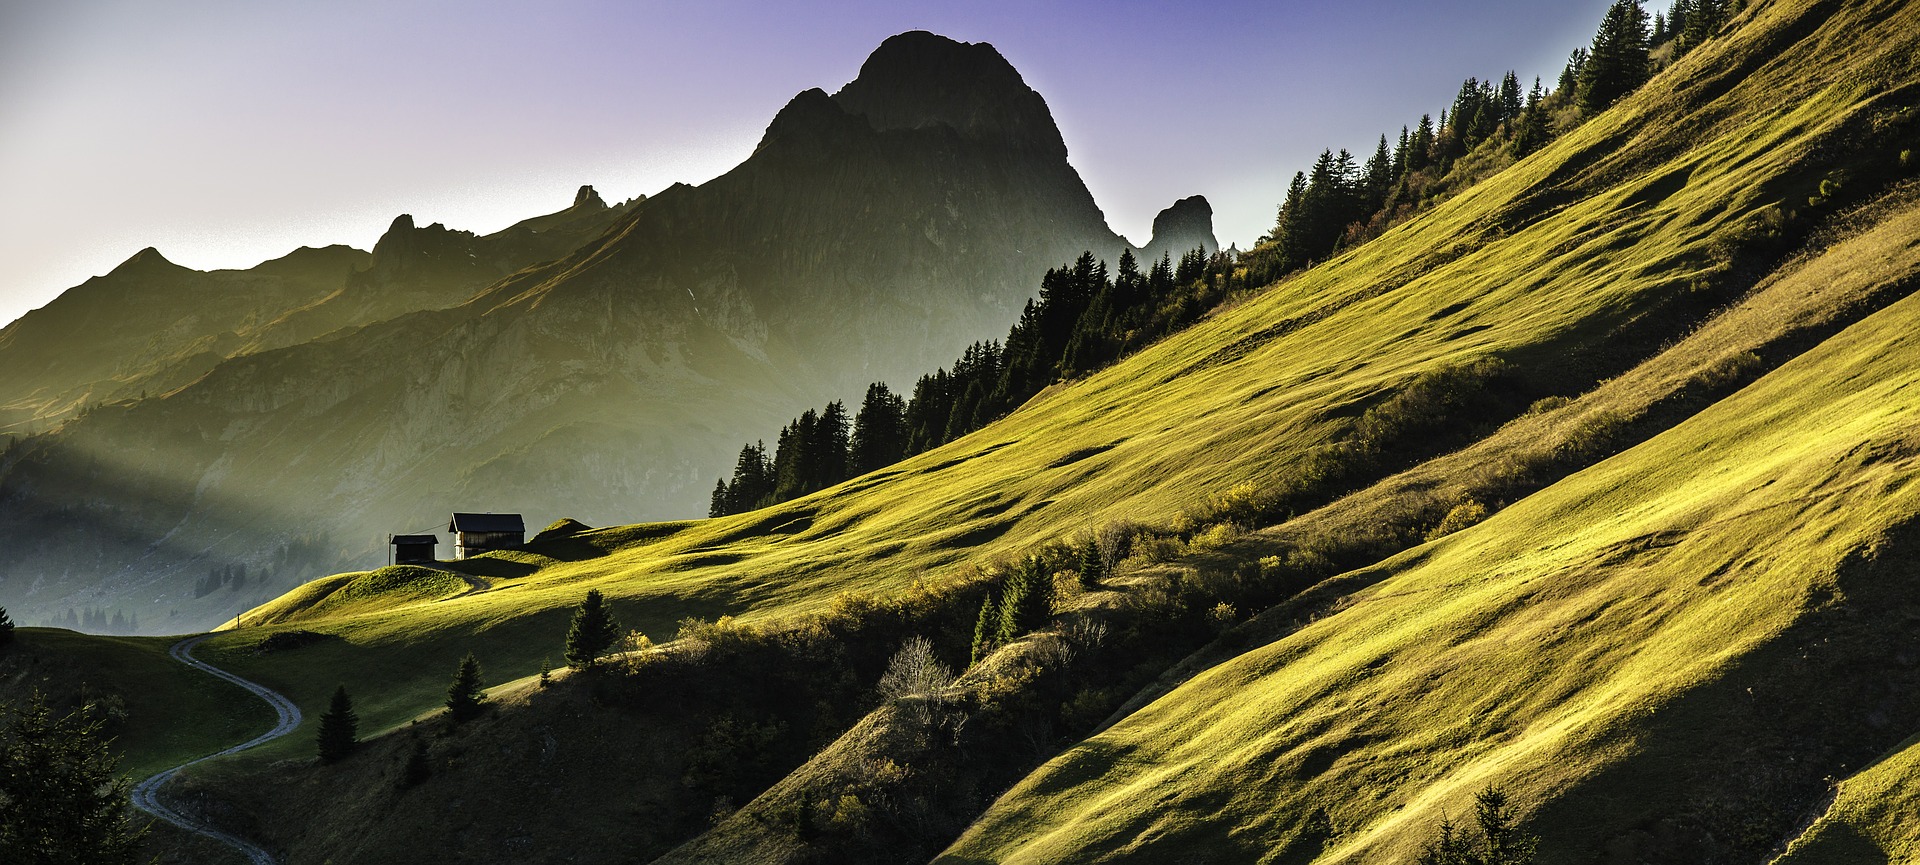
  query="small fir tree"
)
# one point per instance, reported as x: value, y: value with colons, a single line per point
x: 417, y: 770
x: 983, y: 629
x: 61, y: 799
x: 592, y: 632
x: 1495, y: 839
x: 465, y: 695
x: 339, y: 728
x: 6, y: 627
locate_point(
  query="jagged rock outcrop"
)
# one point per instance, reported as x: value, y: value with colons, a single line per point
x: 1184, y: 226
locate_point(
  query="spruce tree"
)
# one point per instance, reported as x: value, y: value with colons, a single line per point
x: 339, y: 728
x: 592, y: 632
x: 418, y: 770
x: 6, y: 627
x: 879, y: 436
x: 1618, y: 64
x: 983, y: 630
x: 61, y: 799
x: 719, y: 504
x: 465, y: 695
x: 1092, y: 568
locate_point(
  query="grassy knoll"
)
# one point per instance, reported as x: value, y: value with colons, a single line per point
x: 163, y: 712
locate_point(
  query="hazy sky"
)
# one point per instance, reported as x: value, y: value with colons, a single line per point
x: 227, y: 133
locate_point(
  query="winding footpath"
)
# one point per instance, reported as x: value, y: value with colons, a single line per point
x: 146, y: 795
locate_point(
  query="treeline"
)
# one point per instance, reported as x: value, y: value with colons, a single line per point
x: 94, y: 620
x: 1342, y: 202
x: 1086, y: 317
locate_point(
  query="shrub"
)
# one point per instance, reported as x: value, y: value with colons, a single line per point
x: 1462, y: 515
x: 914, y: 672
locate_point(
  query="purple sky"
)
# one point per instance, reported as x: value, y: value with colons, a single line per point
x: 227, y: 133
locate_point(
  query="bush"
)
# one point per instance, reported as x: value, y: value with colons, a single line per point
x: 1462, y: 515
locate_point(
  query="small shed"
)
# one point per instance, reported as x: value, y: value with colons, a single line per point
x: 413, y: 549
x: 474, y: 534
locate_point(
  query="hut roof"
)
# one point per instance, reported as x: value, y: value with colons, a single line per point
x: 414, y: 539
x: 487, y: 523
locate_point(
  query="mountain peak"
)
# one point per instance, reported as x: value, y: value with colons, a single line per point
x: 920, y: 79
x: 1183, y: 226
x: 146, y: 263
x: 586, y: 197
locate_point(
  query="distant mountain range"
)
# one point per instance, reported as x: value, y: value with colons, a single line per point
x: 187, y: 444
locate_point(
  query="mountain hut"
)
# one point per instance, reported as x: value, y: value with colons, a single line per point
x: 413, y: 549
x: 479, y: 533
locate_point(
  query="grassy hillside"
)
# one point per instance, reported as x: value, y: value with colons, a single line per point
x: 1627, y: 647
x: 1619, y: 236
x: 1598, y: 645
x: 160, y: 712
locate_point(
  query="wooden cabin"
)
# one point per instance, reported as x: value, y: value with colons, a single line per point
x: 474, y: 534
x: 413, y: 549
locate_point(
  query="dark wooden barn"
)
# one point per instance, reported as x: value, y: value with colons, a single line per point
x: 413, y: 549
x: 478, y: 533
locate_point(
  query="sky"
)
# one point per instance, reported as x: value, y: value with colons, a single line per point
x: 228, y: 132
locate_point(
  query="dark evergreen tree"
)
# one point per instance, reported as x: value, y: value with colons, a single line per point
x: 1420, y: 148
x: 1377, y: 179
x: 1532, y: 133
x: 1495, y: 839
x: 592, y: 632
x: 1092, y: 568
x: 984, y: 629
x: 339, y: 728
x: 61, y: 799
x: 418, y: 770
x: 1618, y: 64
x: 1703, y: 20
x: 826, y: 454
x: 466, y: 695
x: 6, y: 627
x: 879, y: 431
x: 720, y: 503
x: 1510, y: 98
x: 1570, y: 74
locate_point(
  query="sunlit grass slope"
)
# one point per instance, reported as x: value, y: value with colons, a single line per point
x: 168, y: 713
x: 1623, y: 228
x: 1873, y: 818
x: 1582, y: 648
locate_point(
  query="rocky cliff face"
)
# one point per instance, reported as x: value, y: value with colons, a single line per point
x: 1181, y: 228
x: 871, y: 236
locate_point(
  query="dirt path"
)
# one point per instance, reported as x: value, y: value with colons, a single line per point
x: 146, y: 795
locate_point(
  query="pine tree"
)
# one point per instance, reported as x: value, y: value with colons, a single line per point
x: 1092, y: 568
x: 1494, y: 841
x: 1532, y: 132
x: 339, y: 728
x: 983, y: 629
x: 61, y: 800
x: 1420, y: 149
x: 879, y: 436
x: 592, y: 632
x: 1618, y: 65
x: 418, y: 770
x: 720, y: 503
x: 6, y: 627
x: 465, y: 695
